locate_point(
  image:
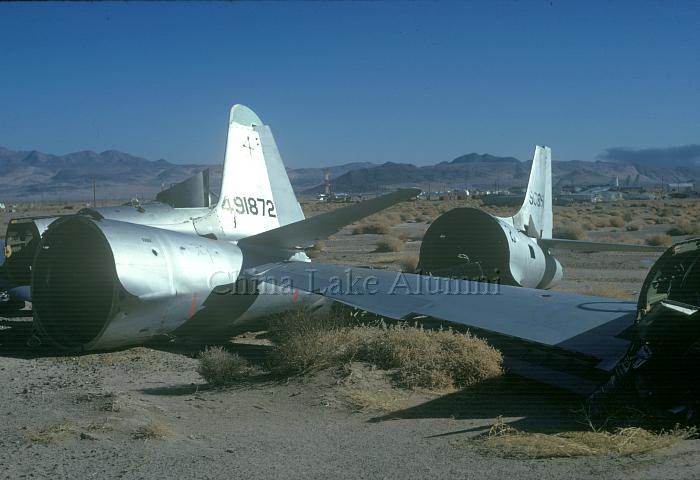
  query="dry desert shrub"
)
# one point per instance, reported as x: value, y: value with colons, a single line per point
x: 409, y: 263
x: 683, y: 228
x: 626, y: 238
x: 634, y: 226
x: 417, y: 357
x: 377, y: 228
x: 50, y: 434
x: 391, y: 218
x: 632, y: 240
x: 316, y: 250
x: 660, y: 239
x: 587, y: 225
x: 220, y: 367
x: 600, y: 222
x: 153, y: 430
x: 616, y: 222
x: 389, y: 243
x: 569, y: 231
x: 508, y: 441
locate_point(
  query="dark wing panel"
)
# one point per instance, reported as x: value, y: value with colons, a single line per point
x: 578, y: 324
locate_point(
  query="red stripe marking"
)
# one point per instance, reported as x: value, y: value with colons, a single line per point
x: 193, y: 306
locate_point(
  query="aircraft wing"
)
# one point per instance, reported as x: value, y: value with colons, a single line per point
x: 583, y: 246
x: 305, y: 233
x: 535, y: 329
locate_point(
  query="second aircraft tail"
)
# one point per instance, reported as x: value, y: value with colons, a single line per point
x: 535, y: 216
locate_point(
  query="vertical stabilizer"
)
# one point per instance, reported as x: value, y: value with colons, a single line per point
x: 256, y: 194
x: 535, y: 216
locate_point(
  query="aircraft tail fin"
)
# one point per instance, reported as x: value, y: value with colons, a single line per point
x: 535, y: 216
x: 256, y: 195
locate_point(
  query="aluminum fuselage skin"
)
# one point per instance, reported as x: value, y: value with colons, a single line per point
x: 155, y: 282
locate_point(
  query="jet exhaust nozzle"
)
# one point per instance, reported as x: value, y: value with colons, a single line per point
x: 101, y: 284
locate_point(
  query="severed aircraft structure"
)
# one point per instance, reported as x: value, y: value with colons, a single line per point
x: 472, y: 243
x: 187, y: 199
x: 101, y: 281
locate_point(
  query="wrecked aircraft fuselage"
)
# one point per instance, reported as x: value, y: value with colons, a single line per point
x: 101, y: 284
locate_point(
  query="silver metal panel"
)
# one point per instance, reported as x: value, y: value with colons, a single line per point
x: 190, y: 193
x: 153, y: 214
x: 288, y: 208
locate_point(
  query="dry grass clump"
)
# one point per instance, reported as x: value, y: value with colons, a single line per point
x: 50, y: 434
x: 390, y: 243
x: 409, y: 263
x: 600, y: 222
x: 587, y: 225
x: 511, y: 442
x: 659, y: 239
x: 616, y: 222
x: 634, y: 226
x: 683, y: 228
x: 153, y: 430
x: 220, y: 367
x: 377, y: 228
x: 417, y: 357
x: 569, y: 231
x: 316, y: 250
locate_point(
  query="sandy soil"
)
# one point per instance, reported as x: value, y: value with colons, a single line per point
x: 145, y: 412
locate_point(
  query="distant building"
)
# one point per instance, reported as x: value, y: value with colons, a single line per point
x: 610, y: 196
x: 686, y: 187
x: 639, y: 196
x: 587, y: 197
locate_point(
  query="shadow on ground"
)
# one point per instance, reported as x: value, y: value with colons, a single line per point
x: 256, y: 354
x: 537, y: 407
x: 15, y: 332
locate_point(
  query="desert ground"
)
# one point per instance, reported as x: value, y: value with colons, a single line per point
x: 146, y: 411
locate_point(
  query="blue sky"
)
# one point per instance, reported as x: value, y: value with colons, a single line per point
x: 341, y: 82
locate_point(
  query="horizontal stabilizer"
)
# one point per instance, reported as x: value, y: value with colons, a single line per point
x: 583, y: 246
x: 305, y: 233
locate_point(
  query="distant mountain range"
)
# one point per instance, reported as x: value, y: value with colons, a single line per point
x: 32, y: 175
x: 487, y: 171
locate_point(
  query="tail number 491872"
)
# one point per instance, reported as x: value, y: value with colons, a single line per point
x: 250, y: 206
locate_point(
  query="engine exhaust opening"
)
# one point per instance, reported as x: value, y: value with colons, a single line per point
x: 74, y: 282
x: 466, y: 243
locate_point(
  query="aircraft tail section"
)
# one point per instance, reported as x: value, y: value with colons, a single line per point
x: 256, y: 195
x: 535, y: 216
